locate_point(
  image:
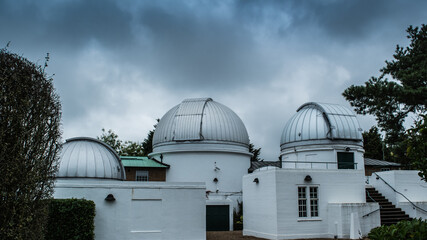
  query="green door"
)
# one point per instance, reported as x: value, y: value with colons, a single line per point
x: 345, y: 160
x: 217, y: 218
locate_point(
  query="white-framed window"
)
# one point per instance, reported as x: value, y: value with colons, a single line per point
x: 314, y: 202
x: 308, y: 201
x: 141, y: 176
x: 302, y: 201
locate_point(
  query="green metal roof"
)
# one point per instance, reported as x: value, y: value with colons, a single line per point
x: 133, y: 161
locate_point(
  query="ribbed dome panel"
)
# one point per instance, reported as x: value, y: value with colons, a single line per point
x: 89, y: 158
x: 321, y: 121
x: 200, y: 120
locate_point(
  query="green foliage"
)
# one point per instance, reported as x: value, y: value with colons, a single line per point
x: 132, y: 149
x: 403, y: 230
x: 112, y: 140
x: 256, y: 152
x: 30, y: 114
x: 128, y: 148
x: 373, y: 144
x: 71, y: 219
x: 417, y: 146
x: 392, y: 101
x: 238, y: 217
x: 147, y: 144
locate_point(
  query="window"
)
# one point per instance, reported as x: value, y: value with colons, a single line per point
x: 302, y: 202
x: 345, y: 160
x: 312, y: 196
x: 141, y: 176
x: 314, y: 206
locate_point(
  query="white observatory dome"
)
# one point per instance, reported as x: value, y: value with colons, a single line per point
x: 321, y: 123
x: 84, y: 157
x: 200, y: 124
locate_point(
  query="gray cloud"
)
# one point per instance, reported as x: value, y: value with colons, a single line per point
x: 120, y: 64
x: 66, y: 24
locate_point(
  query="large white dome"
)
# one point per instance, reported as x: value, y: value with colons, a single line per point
x: 84, y: 157
x: 321, y: 123
x: 200, y: 124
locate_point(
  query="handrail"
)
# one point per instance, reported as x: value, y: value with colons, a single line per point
x: 413, y: 205
x: 372, y: 212
x: 369, y: 195
x: 311, y: 164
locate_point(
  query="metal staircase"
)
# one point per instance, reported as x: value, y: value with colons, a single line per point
x: 388, y: 212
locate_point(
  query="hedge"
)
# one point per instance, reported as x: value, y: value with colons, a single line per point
x: 71, y: 219
x: 403, y: 230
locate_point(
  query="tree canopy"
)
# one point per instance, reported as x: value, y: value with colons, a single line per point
x: 128, y: 148
x: 417, y: 146
x: 30, y: 114
x: 256, y: 152
x: 392, y: 101
x: 373, y: 144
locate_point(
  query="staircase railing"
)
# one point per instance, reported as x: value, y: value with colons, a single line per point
x: 413, y: 205
x: 369, y: 195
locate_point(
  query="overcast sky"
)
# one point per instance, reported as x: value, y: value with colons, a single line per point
x: 121, y: 64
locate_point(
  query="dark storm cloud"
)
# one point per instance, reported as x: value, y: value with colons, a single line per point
x: 65, y: 24
x: 202, y: 43
x: 121, y: 61
x: 349, y: 20
x: 199, y: 50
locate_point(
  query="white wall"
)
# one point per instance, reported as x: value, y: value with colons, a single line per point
x: 142, y: 210
x: 271, y: 206
x: 343, y: 186
x: 259, y: 204
x: 414, y: 212
x: 409, y: 184
x: 200, y: 167
x: 339, y: 217
x: 320, y: 153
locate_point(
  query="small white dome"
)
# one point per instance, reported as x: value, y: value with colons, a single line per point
x: 200, y: 121
x: 84, y: 157
x: 321, y: 123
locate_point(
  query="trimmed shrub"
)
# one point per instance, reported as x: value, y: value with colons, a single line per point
x: 30, y: 141
x: 71, y: 219
x: 403, y: 230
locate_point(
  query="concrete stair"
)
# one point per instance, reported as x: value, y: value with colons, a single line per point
x: 388, y: 212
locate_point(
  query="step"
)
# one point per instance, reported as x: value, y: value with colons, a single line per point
x: 375, y: 195
x: 393, y: 220
x: 391, y: 210
x: 387, y: 205
x: 389, y: 214
x: 393, y: 213
x: 382, y: 201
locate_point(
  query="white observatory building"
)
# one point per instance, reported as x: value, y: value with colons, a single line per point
x: 322, y: 136
x: 319, y: 191
x: 90, y: 169
x: 205, y: 141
